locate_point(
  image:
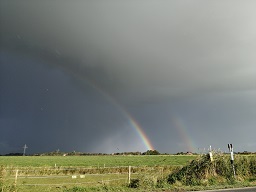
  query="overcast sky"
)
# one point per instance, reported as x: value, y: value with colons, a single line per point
x: 74, y: 74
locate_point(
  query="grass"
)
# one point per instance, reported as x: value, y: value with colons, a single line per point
x: 95, y: 161
x: 203, y: 172
x: 149, y: 173
x: 113, y: 177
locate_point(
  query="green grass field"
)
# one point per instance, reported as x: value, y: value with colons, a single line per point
x: 95, y: 161
x: 54, y: 173
x: 111, y: 173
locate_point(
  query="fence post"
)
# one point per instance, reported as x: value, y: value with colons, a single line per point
x: 2, y: 177
x: 230, y: 147
x: 210, y: 153
x: 16, y: 178
x: 129, y: 174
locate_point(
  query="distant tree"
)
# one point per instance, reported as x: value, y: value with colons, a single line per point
x: 14, y: 154
x: 151, y: 152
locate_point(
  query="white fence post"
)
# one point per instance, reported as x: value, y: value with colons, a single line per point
x: 16, y: 177
x: 230, y: 147
x: 129, y: 175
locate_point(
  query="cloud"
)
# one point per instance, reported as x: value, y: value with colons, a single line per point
x: 195, y: 59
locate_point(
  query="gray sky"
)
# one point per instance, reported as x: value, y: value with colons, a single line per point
x: 73, y: 74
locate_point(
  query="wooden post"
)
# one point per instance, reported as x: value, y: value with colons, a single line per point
x: 3, y: 177
x: 16, y: 178
x: 129, y: 175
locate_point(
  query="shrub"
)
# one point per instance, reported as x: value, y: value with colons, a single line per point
x: 202, y: 171
x: 134, y: 183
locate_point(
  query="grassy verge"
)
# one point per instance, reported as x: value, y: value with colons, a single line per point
x: 202, y: 173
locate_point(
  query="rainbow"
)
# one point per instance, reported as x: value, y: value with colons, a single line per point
x: 139, y: 131
x: 132, y: 121
x: 182, y: 129
x: 134, y: 124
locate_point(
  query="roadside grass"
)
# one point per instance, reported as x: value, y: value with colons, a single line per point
x: 207, y: 174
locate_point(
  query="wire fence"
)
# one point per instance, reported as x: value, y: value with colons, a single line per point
x: 73, y: 176
x: 72, y: 183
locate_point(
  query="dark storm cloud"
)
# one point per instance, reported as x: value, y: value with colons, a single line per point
x: 192, y: 59
x: 146, y: 45
x: 47, y: 109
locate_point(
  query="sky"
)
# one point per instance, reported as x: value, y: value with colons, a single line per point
x: 115, y: 76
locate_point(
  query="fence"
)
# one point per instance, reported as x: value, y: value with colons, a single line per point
x: 77, y: 176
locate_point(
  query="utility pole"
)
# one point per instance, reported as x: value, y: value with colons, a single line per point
x: 24, y: 151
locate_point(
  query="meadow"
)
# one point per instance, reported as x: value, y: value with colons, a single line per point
x: 63, y: 173
x: 95, y: 161
x: 124, y: 173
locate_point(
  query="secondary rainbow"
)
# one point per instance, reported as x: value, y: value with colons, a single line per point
x: 184, y: 133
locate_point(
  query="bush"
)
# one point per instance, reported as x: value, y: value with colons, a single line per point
x: 144, y: 182
x: 202, y: 171
x: 134, y: 183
